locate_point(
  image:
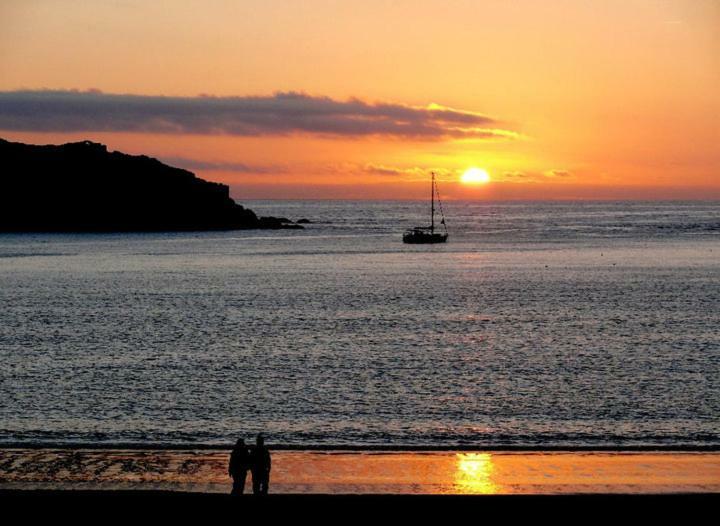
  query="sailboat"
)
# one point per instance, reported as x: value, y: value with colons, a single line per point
x: 427, y: 234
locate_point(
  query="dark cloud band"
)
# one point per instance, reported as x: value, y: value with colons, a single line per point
x: 279, y: 114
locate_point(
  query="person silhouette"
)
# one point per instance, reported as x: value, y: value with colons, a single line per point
x: 238, y: 466
x: 260, y: 467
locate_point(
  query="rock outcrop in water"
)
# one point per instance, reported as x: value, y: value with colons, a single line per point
x: 83, y: 187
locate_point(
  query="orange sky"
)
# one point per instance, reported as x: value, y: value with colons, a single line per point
x: 569, y: 99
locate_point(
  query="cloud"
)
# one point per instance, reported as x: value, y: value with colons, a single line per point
x: 535, y: 177
x: 279, y: 114
x: 389, y: 170
x: 517, y: 176
x: 412, y: 172
x: 198, y: 164
x: 558, y: 173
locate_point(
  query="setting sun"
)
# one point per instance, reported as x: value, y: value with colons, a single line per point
x: 475, y: 176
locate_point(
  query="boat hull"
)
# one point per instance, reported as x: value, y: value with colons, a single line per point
x: 422, y: 238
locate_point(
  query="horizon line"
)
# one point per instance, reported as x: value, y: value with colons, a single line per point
x: 454, y: 200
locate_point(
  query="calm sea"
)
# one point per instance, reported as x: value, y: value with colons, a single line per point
x: 577, y: 324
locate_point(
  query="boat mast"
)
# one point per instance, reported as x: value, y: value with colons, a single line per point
x: 432, y: 204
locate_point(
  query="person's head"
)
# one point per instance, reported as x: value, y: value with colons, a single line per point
x: 240, y: 442
x: 260, y: 440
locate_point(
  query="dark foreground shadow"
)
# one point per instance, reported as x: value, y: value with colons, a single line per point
x: 87, y: 505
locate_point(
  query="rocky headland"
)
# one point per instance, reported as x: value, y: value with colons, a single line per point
x: 82, y: 187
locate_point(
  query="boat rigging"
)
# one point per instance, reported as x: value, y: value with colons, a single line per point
x: 425, y: 234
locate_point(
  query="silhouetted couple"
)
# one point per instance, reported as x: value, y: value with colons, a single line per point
x: 257, y: 460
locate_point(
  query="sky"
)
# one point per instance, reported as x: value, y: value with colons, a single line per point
x: 557, y: 99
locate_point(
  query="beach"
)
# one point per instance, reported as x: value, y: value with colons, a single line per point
x: 348, y: 472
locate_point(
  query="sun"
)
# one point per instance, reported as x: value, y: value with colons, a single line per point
x: 475, y: 176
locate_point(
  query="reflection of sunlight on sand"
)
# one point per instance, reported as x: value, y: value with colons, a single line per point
x: 410, y: 472
x: 474, y: 474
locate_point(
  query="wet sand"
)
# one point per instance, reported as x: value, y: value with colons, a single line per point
x: 369, y: 472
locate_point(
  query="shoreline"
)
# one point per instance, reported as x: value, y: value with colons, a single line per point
x: 369, y: 472
x: 497, y: 448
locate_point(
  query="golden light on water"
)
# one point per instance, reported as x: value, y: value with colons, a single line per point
x: 475, y: 176
x: 474, y: 474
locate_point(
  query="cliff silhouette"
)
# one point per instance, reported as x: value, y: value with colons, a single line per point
x: 82, y: 187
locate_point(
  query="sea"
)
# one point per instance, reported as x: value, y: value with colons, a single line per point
x: 538, y: 324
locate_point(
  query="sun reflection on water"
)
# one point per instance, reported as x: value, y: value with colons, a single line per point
x: 473, y: 474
